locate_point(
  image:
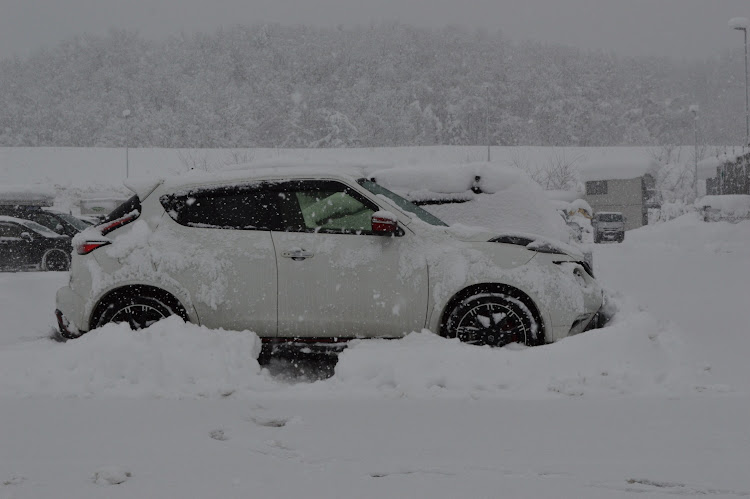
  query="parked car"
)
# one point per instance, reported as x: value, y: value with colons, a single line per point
x: 28, y: 245
x: 608, y: 226
x: 312, y: 256
x: 55, y: 220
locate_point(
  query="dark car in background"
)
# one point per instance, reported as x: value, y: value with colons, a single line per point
x: 55, y: 220
x: 25, y: 244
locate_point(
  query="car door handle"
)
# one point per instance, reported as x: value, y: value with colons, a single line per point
x: 297, y: 254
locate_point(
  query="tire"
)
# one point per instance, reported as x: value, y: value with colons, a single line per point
x: 495, y: 319
x: 55, y: 260
x: 597, y: 239
x: 621, y: 238
x: 139, y: 311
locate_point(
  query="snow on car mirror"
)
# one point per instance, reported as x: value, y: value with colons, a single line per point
x: 26, y: 236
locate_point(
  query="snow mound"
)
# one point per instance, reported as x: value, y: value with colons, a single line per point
x: 636, y: 354
x: 170, y: 359
x: 111, y: 475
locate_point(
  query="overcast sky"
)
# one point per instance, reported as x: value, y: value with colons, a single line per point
x: 681, y: 28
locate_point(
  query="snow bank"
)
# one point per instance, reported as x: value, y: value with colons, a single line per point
x: 730, y: 207
x: 170, y: 359
x: 635, y: 354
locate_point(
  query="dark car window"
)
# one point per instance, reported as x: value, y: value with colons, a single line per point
x: 244, y: 207
x: 49, y: 221
x: 78, y: 224
x: 325, y: 206
x: 10, y: 230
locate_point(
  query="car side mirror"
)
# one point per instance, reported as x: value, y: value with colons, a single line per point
x: 26, y: 236
x: 59, y: 228
x: 384, y: 223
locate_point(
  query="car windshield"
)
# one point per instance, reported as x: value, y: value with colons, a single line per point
x: 41, y: 229
x: 402, y: 203
x: 610, y: 217
x: 75, y: 222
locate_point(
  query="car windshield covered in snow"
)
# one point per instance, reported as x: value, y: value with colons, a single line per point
x: 402, y: 203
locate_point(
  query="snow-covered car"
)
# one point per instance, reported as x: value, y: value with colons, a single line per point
x: 28, y: 245
x: 315, y: 255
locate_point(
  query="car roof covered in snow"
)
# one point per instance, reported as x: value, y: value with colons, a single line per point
x: 264, y: 171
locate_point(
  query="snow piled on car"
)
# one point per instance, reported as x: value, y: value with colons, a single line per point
x: 510, y: 201
x: 636, y: 354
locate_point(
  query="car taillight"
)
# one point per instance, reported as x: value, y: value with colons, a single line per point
x: 89, y: 246
x: 108, y: 227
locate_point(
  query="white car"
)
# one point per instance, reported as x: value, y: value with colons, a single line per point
x: 312, y: 255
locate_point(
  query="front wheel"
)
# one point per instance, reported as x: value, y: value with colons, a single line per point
x: 494, y: 319
x: 137, y: 311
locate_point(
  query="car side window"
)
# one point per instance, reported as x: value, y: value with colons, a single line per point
x: 239, y: 207
x: 325, y: 206
x: 10, y: 231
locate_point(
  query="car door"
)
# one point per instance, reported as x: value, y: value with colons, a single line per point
x: 336, y: 277
x: 14, y: 249
x: 229, y: 269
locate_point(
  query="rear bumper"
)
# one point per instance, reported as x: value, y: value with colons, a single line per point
x: 69, y: 313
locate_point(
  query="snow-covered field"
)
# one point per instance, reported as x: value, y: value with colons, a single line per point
x: 657, y: 404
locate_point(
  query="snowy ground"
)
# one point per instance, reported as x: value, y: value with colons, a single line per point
x: 654, y: 405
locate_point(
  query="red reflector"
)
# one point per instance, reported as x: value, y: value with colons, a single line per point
x: 89, y: 246
x: 110, y: 226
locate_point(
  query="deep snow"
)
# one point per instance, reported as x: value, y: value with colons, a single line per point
x: 655, y: 404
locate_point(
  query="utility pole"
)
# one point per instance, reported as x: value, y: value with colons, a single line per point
x: 126, y: 115
x: 487, y: 120
x: 694, y: 110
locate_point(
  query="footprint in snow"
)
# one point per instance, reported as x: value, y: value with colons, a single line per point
x: 219, y: 435
x: 111, y: 475
x: 14, y: 480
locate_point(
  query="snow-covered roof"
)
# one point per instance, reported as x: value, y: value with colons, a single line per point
x: 26, y: 195
x: 260, y: 171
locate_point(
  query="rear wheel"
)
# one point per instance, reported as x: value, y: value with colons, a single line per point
x: 494, y: 319
x: 55, y: 260
x: 138, y: 311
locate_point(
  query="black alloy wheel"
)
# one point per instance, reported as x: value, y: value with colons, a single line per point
x: 494, y: 319
x: 139, y: 312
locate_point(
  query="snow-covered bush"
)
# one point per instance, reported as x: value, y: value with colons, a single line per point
x: 673, y: 209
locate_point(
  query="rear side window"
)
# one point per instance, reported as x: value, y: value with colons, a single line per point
x: 244, y: 207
